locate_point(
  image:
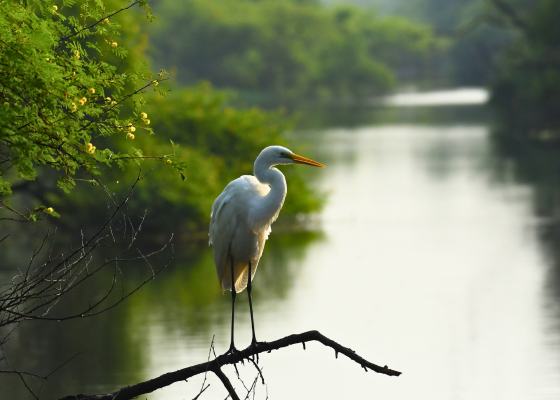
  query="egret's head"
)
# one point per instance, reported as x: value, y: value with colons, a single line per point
x: 277, y: 155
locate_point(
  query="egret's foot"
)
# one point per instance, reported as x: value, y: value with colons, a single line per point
x: 254, y: 346
x: 232, y: 350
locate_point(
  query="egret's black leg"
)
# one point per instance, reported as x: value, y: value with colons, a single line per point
x: 233, y: 294
x: 254, y: 341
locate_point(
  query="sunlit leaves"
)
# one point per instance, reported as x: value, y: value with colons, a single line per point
x: 59, y: 94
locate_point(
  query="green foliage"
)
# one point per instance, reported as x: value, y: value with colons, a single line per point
x: 220, y: 143
x: 285, y: 49
x: 527, y: 89
x: 59, y: 95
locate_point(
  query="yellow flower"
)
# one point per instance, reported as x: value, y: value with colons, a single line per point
x: 114, y: 44
x: 81, y: 102
x: 144, y: 115
x: 147, y: 121
x: 48, y: 59
x: 132, y: 129
x: 55, y: 8
x: 50, y: 209
x: 92, y: 90
x: 129, y: 136
x: 74, y: 73
x: 89, y: 146
x: 169, y: 162
x: 108, y: 99
x: 113, y: 102
x: 74, y: 106
x: 84, y: 99
x: 155, y: 83
x: 77, y: 53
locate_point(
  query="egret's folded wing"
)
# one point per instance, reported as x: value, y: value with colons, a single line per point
x: 222, y: 228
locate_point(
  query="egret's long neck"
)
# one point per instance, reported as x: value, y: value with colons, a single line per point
x: 273, y: 201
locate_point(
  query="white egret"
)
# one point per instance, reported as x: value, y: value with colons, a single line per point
x: 240, y: 222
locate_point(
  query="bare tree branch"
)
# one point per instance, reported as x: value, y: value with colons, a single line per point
x: 220, y: 374
x: 130, y: 392
x: 40, y: 285
x: 34, y: 292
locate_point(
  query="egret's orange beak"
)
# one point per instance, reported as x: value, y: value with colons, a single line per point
x: 302, y: 160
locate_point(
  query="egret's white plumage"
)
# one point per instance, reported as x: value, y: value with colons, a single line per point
x: 243, y: 213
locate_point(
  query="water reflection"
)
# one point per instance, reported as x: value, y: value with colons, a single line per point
x: 430, y: 259
x: 183, y: 306
x: 538, y: 165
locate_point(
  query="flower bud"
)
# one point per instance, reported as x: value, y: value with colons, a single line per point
x: 114, y: 44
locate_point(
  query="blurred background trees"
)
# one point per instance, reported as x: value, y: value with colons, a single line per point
x: 288, y: 50
x: 510, y: 46
x: 226, y: 57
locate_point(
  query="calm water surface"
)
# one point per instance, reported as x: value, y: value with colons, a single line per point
x: 427, y: 259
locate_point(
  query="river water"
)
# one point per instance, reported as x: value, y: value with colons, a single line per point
x: 427, y: 258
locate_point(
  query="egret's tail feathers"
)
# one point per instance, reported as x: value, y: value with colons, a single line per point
x: 240, y: 276
x: 240, y: 272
